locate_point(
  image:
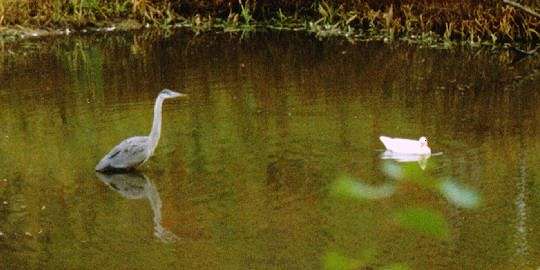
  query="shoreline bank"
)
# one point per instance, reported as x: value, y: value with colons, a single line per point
x: 431, y: 24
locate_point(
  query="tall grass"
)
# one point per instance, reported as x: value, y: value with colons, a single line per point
x: 474, y: 20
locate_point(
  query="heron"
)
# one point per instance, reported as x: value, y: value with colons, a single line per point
x: 134, y: 151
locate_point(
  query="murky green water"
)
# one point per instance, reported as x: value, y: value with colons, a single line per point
x: 242, y: 177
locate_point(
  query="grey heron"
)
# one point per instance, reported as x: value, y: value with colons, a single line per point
x: 134, y: 151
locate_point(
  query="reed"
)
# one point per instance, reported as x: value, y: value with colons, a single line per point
x: 470, y: 20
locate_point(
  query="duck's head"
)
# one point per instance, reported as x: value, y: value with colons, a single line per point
x: 423, y: 141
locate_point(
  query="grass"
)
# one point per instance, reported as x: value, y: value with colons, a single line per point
x: 473, y: 21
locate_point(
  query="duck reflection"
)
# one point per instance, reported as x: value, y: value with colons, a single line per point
x: 399, y: 157
x: 135, y: 185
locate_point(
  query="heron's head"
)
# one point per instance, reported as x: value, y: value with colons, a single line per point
x: 423, y: 141
x: 166, y: 93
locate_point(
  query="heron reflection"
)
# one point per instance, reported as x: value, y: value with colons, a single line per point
x: 135, y: 185
x: 400, y: 157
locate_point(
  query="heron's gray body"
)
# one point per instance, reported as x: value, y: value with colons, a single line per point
x: 129, y: 154
x: 134, y: 151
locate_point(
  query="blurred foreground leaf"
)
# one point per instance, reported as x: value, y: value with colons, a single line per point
x: 396, y: 266
x: 335, y: 261
x: 392, y: 170
x: 458, y: 194
x: 409, y: 172
x: 349, y: 188
x: 424, y: 221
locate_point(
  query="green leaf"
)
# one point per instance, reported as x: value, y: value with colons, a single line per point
x: 425, y: 221
x: 349, y: 188
x: 458, y: 194
x: 396, y: 266
x: 392, y: 170
x: 323, y: 12
x: 336, y: 261
x: 410, y: 172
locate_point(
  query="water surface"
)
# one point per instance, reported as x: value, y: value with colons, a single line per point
x: 242, y: 176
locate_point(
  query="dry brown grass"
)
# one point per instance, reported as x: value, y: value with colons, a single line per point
x: 452, y: 20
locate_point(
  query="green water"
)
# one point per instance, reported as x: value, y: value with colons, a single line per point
x: 242, y: 177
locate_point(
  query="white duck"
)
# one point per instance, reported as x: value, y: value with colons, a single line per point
x: 406, y: 146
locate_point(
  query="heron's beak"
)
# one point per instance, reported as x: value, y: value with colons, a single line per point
x: 176, y: 94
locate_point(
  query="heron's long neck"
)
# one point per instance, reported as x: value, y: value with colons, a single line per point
x: 156, y: 125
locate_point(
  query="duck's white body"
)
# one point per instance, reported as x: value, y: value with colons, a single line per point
x: 406, y: 146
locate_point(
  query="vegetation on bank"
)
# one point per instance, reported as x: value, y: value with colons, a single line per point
x: 475, y: 21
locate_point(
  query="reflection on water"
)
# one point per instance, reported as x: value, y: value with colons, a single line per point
x: 520, y: 201
x: 135, y: 185
x: 400, y: 157
x: 245, y: 166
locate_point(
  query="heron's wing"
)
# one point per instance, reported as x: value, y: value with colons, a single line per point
x: 129, y: 153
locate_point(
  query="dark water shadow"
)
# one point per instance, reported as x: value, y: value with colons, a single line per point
x: 135, y: 185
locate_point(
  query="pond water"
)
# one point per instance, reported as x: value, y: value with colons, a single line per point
x: 243, y: 175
